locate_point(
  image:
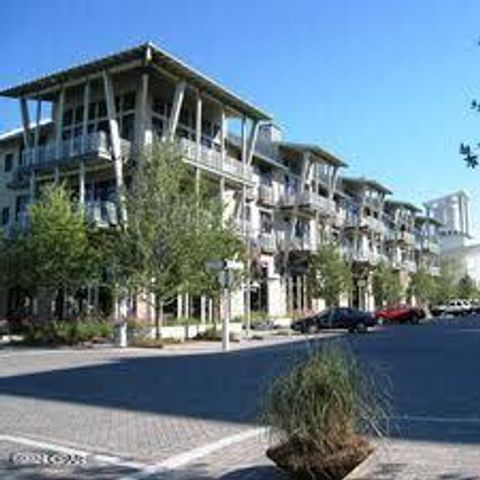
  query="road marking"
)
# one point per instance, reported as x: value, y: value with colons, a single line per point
x: 143, y: 470
x: 436, y: 419
x: 185, y: 458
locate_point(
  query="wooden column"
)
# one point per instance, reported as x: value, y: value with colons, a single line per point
x: 86, y: 106
x: 176, y: 107
x: 198, y: 128
x: 59, y: 122
x: 37, y: 130
x: 116, y: 146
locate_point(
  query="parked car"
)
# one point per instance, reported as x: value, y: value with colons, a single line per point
x: 400, y: 314
x: 350, y: 319
x: 453, y: 307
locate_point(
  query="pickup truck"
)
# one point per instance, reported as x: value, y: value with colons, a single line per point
x: 453, y: 307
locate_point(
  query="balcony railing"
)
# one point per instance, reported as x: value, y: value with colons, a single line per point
x: 374, y: 224
x: 362, y: 255
x: 215, y: 161
x: 101, y: 213
x: 95, y: 143
x: 266, y: 195
x: 410, y: 266
x: 317, y: 203
x: 431, y: 246
x: 267, y: 243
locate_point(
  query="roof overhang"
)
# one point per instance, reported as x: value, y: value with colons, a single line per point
x: 44, y: 87
x: 402, y: 204
x: 421, y: 219
x: 367, y: 182
x: 315, y: 150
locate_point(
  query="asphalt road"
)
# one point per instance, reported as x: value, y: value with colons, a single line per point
x: 152, y: 406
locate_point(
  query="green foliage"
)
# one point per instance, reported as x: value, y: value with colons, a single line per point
x: 445, y: 288
x: 174, y: 227
x: 466, y: 287
x: 55, y: 251
x: 422, y: 286
x: 66, y: 332
x: 324, y: 401
x: 329, y: 275
x: 386, y: 285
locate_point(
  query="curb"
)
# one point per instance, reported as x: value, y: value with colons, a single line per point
x: 359, y: 472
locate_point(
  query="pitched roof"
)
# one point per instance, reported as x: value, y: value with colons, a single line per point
x: 315, y: 149
x: 159, y: 57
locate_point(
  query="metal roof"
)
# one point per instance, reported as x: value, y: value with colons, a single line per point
x: 18, y: 132
x: 159, y: 57
x: 401, y: 203
x: 423, y: 219
x: 315, y: 149
x: 368, y: 182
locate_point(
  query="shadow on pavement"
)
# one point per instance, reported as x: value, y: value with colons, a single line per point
x: 434, y: 370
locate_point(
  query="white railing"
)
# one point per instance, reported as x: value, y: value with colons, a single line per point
x: 410, y: 266
x: 266, y: 195
x: 288, y: 199
x: 214, y: 160
x: 317, y: 202
x: 374, y: 224
x: 431, y: 246
x: 267, y: 242
x: 101, y: 213
x: 92, y: 143
x: 435, y: 271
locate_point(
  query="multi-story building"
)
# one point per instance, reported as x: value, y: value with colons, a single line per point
x: 286, y: 198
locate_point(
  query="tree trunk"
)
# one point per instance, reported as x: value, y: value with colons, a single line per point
x: 44, y: 304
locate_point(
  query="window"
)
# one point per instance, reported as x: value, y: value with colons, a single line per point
x: 5, y: 216
x: 266, y: 222
x: 8, y: 162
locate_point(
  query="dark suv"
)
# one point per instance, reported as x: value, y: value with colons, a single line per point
x: 350, y: 319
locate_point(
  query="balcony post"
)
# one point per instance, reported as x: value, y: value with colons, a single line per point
x: 116, y: 148
x: 251, y: 141
x: 223, y: 133
x: 86, y: 104
x: 59, y: 123
x: 244, y: 140
x: 176, y: 107
x: 198, y: 128
x: 81, y: 181
x: 36, y: 137
x: 26, y: 125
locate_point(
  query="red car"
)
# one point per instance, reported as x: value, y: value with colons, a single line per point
x: 400, y: 314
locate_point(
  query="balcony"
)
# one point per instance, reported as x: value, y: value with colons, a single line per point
x: 102, y: 214
x: 434, y: 271
x: 266, y: 195
x: 374, y: 224
x: 410, y: 266
x: 267, y: 243
x: 211, y: 160
x: 431, y: 246
x: 92, y: 145
x: 317, y: 203
x: 296, y: 243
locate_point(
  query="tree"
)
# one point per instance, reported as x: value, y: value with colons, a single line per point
x: 174, y: 227
x: 386, y: 285
x: 445, y: 288
x: 422, y: 286
x: 466, y: 287
x: 54, y: 252
x: 329, y: 275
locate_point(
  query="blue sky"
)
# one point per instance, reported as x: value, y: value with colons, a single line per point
x: 384, y: 84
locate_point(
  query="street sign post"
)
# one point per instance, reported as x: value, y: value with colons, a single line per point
x: 225, y: 269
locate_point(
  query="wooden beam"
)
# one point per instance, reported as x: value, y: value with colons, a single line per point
x: 36, y: 137
x: 59, y: 122
x: 25, y: 123
x: 176, y: 108
x: 116, y: 146
x: 198, y: 127
x: 86, y: 106
x: 251, y: 142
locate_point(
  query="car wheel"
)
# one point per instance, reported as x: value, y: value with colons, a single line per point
x: 311, y: 329
x: 361, y: 327
x: 414, y: 319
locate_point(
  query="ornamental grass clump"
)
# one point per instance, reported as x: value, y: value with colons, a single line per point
x: 319, y: 412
